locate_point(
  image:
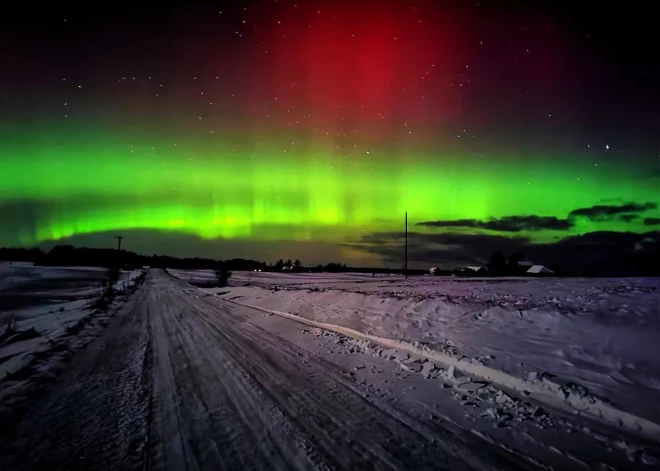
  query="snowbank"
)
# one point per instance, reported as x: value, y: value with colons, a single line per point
x: 595, y: 337
x: 195, y: 277
x: 51, y: 302
x: 568, y: 397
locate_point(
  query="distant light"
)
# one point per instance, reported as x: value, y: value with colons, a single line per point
x: 607, y: 146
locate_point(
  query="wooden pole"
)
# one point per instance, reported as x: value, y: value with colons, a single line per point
x: 406, y: 258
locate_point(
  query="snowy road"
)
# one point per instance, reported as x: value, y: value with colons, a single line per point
x: 181, y: 381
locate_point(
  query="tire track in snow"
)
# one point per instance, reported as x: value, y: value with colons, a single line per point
x: 181, y: 383
x: 95, y: 415
x: 267, y: 376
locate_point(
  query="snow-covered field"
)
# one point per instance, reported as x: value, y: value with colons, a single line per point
x: 195, y: 277
x: 188, y: 377
x: 43, y: 304
x: 599, y: 334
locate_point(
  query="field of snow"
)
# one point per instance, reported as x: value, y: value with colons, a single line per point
x: 42, y: 304
x: 195, y: 277
x: 598, y: 334
x: 23, y: 285
x: 197, y: 378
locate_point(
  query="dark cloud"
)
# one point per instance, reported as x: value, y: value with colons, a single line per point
x: 448, y: 249
x: 651, y: 221
x: 452, y: 223
x: 617, y: 199
x: 507, y: 223
x: 604, y: 252
x: 602, y: 212
x: 629, y: 217
x: 450, y: 238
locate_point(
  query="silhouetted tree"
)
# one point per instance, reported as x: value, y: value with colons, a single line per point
x: 288, y: 263
x: 222, y: 274
x: 556, y: 269
x: 512, y: 266
x: 297, y: 263
x: 497, y: 263
x: 113, y: 274
x: 334, y: 267
x: 279, y: 264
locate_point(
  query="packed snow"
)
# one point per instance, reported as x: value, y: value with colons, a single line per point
x: 323, y: 372
x: 39, y: 305
x: 195, y: 277
x: 599, y: 335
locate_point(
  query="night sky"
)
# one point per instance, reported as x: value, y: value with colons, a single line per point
x: 306, y: 129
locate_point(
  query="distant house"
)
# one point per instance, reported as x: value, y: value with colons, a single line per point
x: 539, y: 270
x: 285, y: 268
x: 436, y: 271
x: 520, y: 267
x: 470, y: 271
x: 476, y: 269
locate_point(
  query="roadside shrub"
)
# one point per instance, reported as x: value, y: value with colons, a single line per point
x: 113, y: 275
x: 7, y: 327
x: 222, y: 275
x: 106, y: 298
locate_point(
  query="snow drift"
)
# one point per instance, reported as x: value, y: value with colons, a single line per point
x: 590, y: 343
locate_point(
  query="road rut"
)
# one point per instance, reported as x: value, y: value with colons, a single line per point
x: 185, y: 382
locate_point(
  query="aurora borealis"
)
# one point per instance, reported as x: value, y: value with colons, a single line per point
x: 280, y: 123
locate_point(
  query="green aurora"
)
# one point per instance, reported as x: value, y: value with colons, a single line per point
x: 309, y: 131
x: 264, y: 194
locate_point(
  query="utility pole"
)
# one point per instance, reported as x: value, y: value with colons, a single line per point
x: 119, y: 238
x: 405, y: 267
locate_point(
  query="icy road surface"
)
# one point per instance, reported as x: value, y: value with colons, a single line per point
x: 183, y: 381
